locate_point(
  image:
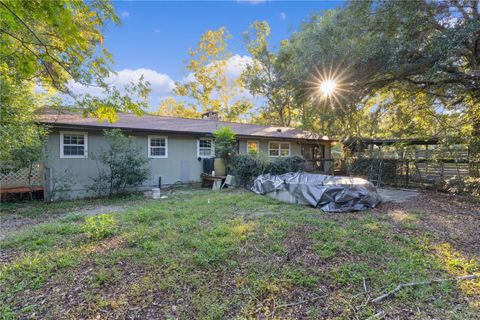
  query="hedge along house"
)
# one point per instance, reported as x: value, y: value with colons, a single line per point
x: 175, y: 146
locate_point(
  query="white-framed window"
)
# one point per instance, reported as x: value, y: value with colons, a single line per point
x: 157, y: 147
x: 73, y: 144
x: 253, y: 147
x: 278, y: 149
x: 205, y: 148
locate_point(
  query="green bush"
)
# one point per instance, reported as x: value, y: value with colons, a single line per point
x: 122, y: 165
x: 246, y: 167
x: 224, y: 142
x: 100, y: 226
x: 286, y: 164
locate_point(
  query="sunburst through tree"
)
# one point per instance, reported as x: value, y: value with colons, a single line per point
x: 329, y: 84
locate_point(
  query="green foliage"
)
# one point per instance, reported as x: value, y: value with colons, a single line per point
x: 210, y: 88
x: 224, y: 142
x: 246, y: 167
x: 283, y: 165
x: 22, y: 140
x: 122, y: 165
x: 61, y: 182
x: 42, y: 237
x: 100, y: 226
x: 174, y: 108
x: 44, y: 47
x: 263, y: 77
x: 403, y: 69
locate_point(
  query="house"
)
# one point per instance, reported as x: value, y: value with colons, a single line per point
x: 175, y: 146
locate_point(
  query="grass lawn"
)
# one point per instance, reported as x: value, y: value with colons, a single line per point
x: 234, y: 254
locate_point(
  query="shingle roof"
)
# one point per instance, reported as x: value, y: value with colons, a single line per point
x: 154, y: 123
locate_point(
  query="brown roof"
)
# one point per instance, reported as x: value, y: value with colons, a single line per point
x: 173, y: 125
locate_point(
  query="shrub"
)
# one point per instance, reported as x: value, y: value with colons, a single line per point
x: 100, y: 226
x: 224, y: 142
x: 245, y: 167
x: 123, y: 165
x: 286, y: 164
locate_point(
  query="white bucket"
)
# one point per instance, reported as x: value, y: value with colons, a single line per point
x: 156, y: 193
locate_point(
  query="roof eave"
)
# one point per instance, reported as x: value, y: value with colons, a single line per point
x: 100, y: 127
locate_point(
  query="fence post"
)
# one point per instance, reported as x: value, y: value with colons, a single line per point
x: 407, y: 169
x: 47, y: 184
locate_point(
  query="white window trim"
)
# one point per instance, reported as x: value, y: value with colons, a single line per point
x: 279, y: 151
x: 254, y: 141
x: 85, y: 148
x: 150, y: 150
x: 212, y: 151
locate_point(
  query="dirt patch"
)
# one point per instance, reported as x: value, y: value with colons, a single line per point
x: 397, y: 195
x: 11, y: 224
x: 448, y: 218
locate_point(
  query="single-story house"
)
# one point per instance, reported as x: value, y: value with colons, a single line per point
x: 175, y: 146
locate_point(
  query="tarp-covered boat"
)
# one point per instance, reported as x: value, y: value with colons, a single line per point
x: 328, y: 193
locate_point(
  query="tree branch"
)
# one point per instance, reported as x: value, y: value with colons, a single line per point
x: 38, y: 39
x: 414, y: 284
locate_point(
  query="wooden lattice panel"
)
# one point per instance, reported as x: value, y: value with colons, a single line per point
x: 20, y: 178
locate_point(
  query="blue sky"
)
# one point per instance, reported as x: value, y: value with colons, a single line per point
x: 155, y: 36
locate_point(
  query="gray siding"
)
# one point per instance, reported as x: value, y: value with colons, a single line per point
x: 180, y: 165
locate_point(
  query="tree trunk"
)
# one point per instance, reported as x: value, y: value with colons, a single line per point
x: 474, y: 143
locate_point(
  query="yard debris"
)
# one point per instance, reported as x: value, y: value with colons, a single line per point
x: 328, y: 193
x: 288, y: 305
x: 414, y: 284
x: 379, y: 315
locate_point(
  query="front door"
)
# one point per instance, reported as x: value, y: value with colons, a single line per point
x: 314, y: 155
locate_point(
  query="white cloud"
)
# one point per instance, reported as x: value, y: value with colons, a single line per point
x: 125, y: 14
x: 160, y: 84
x: 283, y: 16
x: 157, y: 30
x: 236, y: 64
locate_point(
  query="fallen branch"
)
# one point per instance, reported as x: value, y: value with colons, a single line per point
x: 288, y: 305
x: 261, y: 251
x: 365, y: 286
x: 414, y: 284
x: 377, y: 316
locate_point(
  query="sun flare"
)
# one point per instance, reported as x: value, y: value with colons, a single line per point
x: 327, y: 87
x: 329, y: 84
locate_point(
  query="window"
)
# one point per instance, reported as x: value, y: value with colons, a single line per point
x: 73, y: 144
x: 205, y: 148
x: 279, y: 149
x: 252, y: 147
x: 157, y: 147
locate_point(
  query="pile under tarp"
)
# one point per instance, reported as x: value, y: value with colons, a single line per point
x: 328, y: 193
